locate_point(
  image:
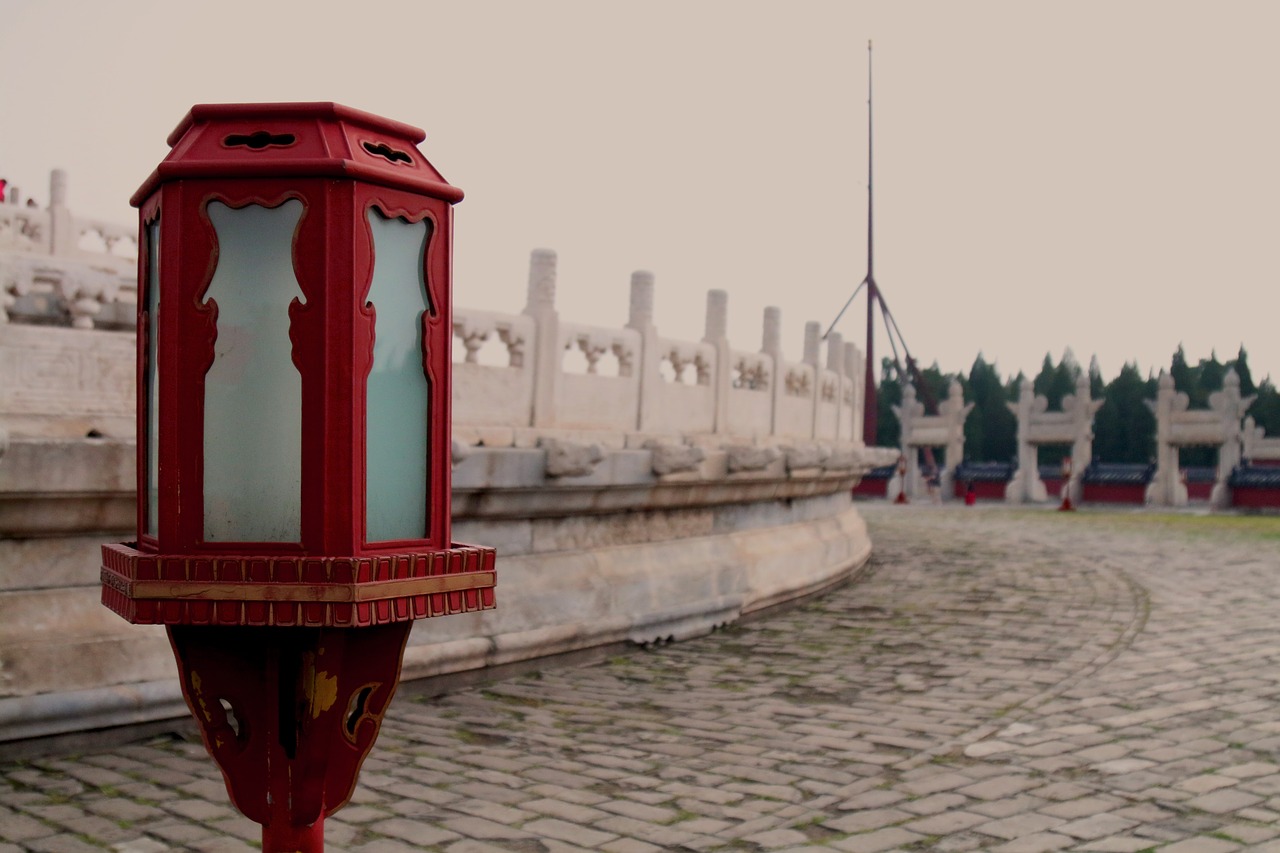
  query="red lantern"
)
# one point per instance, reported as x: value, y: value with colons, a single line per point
x: 294, y: 332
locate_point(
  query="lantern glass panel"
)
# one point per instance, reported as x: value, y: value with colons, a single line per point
x: 397, y: 401
x: 253, y: 391
x: 151, y: 377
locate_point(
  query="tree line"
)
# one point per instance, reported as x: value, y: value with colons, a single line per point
x: 1124, y: 428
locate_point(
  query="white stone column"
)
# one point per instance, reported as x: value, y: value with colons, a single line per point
x: 907, y: 414
x: 1082, y: 448
x: 771, y: 345
x: 641, y: 319
x: 853, y: 368
x: 1026, y: 484
x: 835, y: 363
x: 540, y: 305
x: 812, y: 343
x: 1231, y: 407
x: 1167, y: 489
x: 955, y: 411
x: 62, y: 232
x: 717, y: 334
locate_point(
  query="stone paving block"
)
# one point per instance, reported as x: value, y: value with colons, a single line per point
x: 1117, y: 844
x: 866, y: 820
x: 227, y: 845
x: 565, y: 811
x: 1206, y: 783
x: 1038, y: 843
x: 559, y: 830
x: 1250, y: 833
x: 946, y: 823
x: 1007, y: 807
x: 411, y: 831
x: 630, y: 845
x: 470, y: 845
x: 476, y: 827
x: 933, y: 804
x: 20, y: 827
x: 61, y: 843
x: 386, y: 845
x: 776, y: 838
x: 640, y: 811
x: 136, y: 845
x: 874, y: 842
x: 999, y: 787
x: 1018, y: 826
x: 1252, y: 770
x: 935, y: 782
x: 1095, y: 826
x: 1200, y: 845
x: 873, y: 799
x: 1224, y: 801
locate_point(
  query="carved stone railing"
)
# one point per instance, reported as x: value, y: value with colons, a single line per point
x: 57, y: 269
x: 639, y: 488
x: 631, y: 385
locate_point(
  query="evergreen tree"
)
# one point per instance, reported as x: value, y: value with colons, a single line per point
x: 991, y: 430
x: 1054, y: 382
x: 1266, y: 409
x: 1125, y: 429
x: 1241, y: 366
x: 888, y: 429
x: 1211, y: 376
x: 1097, y: 385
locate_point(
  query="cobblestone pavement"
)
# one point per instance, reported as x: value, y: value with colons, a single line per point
x: 998, y: 680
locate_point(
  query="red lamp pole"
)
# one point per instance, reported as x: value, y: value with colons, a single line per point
x: 294, y: 328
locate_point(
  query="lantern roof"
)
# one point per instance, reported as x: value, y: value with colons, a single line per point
x: 297, y: 140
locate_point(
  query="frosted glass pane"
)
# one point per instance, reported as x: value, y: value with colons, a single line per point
x: 152, y: 379
x: 253, y: 392
x: 397, y: 402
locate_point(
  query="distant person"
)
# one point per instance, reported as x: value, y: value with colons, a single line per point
x: 970, y: 494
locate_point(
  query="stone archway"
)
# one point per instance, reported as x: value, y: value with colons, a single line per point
x: 1037, y: 426
x: 1178, y: 426
x: 944, y: 430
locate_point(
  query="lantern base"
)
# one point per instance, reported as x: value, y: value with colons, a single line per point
x: 339, y: 592
x: 289, y: 714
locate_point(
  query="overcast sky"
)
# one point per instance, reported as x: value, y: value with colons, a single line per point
x: 1103, y: 176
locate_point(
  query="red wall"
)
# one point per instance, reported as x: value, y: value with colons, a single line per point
x: 869, y: 488
x: 1255, y: 497
x: 1107, y: 493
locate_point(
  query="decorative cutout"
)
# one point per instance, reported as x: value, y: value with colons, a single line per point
x: 259, y: 140
x: 232, y: 720
x: 388, y: 153
x: 358, y: 711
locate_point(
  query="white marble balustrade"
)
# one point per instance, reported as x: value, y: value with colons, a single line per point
x: 626, y: 386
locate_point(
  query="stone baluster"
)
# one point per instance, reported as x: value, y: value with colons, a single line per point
x: 812, y: 347
x: 812, y: 343
x: 771, y: 345
x: 717, y: 334
x: 853, y: 372
x: 835, y: 363
x: 641, y: 319
x: 540, y: 305
x: 62, y: 227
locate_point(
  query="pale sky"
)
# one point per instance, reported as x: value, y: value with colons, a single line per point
x: 1103, y: 176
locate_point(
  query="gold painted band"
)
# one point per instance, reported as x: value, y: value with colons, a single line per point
x: 300, y: 592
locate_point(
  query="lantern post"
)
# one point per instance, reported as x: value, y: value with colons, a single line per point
x: 294, y: 330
